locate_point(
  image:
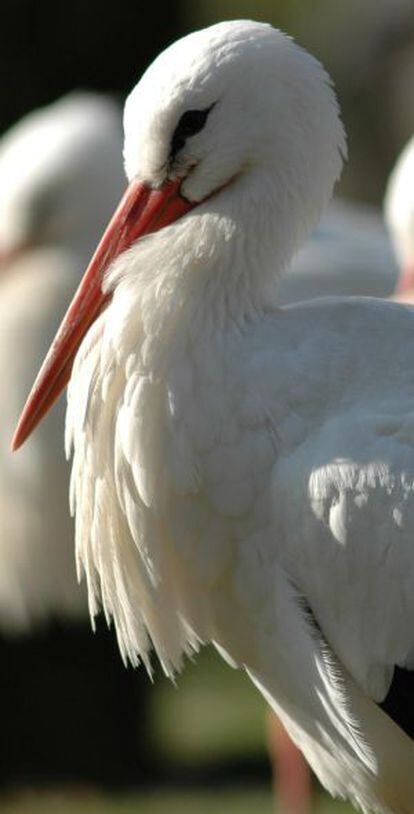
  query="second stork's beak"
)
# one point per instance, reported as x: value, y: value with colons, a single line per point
x: 142, y: 210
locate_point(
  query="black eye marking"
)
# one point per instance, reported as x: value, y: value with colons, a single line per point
x: 191, y: 122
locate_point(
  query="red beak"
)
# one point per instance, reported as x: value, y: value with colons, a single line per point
x: 142, y: 210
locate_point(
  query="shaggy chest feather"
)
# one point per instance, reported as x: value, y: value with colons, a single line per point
x: 169, y: 482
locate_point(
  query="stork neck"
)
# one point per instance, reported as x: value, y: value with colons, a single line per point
x: 205, y: 278
x: 220, y: 262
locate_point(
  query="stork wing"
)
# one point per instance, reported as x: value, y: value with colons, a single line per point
x: 345, y: 509
x: 342, y: 403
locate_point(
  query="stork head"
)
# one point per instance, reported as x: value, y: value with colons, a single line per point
x: 399, y: 214
x: 60, y: 174
x: 228, y: 99
x: 215, y: 114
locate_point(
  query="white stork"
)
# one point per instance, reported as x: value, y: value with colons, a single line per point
x: 60, y: 174
x: 348, y: 254
x: 242, y: 473
x: 399, y: 214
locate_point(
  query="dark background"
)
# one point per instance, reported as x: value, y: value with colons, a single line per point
x: 49, y: 48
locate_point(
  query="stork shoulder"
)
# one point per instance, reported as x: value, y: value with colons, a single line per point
x: 348, y: 494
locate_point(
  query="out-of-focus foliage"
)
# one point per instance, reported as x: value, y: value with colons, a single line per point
x: 236, y: 801
x: 214, y: 714
x: 48, y: 49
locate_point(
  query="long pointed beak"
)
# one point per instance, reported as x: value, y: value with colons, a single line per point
x: 142, y: 210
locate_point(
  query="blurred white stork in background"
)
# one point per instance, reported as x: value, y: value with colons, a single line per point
x: 243, y: 473
x: 60, y: 175
x: 399, y: 214
x: 348, y: 254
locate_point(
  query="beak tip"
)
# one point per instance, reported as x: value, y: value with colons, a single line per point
x: 25, y: 426
x: 19, y: 437
x: 15, y: 445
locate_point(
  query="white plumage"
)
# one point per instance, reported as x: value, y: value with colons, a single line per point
x: 243, y: 473
x: 60, y: 175
x: 399, y: 214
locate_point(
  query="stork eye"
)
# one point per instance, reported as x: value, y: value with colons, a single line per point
x: 191, y: 122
